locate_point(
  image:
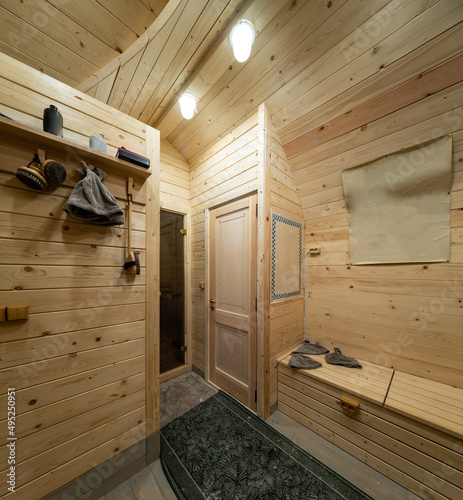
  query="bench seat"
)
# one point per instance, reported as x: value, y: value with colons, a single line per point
x: 406, y: 427
x: 432, y: 403
x: 371, y: 382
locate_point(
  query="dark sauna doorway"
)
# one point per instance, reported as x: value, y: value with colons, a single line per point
x: 172, y: 307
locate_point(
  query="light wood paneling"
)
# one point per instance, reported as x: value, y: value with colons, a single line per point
x: 83, y: 392
x: 71, y: 41
x: 215, y: 177
x: 349, y: 113
x: 146, y: 78
x: 286, y: 317
x: 422, y: 459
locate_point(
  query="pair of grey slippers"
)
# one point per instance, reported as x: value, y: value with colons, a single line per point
x: 300, y: 360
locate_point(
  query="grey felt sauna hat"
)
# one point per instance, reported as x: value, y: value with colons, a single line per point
x: 91, y: 201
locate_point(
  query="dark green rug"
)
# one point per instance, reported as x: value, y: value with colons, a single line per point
x: 219, y: 450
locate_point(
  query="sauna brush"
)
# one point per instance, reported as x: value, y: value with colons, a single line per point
x: 32, y: 175
x: 54, y: 172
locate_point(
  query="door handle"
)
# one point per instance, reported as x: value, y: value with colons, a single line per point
x: 212, y: 301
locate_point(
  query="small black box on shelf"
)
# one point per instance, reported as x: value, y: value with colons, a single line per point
x: 136, y: 159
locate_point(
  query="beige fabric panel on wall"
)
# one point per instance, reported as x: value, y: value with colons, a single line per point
x: 399, y: 206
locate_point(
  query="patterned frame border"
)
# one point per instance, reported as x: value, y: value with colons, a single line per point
x: 278, y: 218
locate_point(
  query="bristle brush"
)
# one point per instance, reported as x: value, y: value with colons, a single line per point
x: 54, y: 172
x: 32, y: 175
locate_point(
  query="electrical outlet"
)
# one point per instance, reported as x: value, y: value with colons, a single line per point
x: 314, y: 250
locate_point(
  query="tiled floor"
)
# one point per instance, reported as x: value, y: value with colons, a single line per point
x: 148, y: 484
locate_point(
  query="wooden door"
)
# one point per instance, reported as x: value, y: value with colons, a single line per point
x: 232, y: 299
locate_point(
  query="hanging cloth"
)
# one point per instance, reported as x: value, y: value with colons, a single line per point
x: 91, y: 201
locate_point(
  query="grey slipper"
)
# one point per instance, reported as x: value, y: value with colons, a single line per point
x: 308, y: 348
x: 338, y: 358
x: 299, y: 361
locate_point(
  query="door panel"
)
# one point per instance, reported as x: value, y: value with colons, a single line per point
x: 232, y: 316
x: 233, y: 261
x: 232, y: 353
x: 172, y: 286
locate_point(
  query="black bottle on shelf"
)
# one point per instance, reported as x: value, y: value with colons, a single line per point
x: 53, y: 121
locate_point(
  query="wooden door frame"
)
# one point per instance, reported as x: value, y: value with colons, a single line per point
x: 185, y: 212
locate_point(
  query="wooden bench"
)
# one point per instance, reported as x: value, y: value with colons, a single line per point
x: 406, y: 427
x: 432, y: 403
x: 371, y: 382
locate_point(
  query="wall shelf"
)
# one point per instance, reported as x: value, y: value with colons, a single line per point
x: 38, y: 139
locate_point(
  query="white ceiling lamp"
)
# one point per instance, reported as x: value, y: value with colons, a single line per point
x: 242, y: 37
x: 187, y: 106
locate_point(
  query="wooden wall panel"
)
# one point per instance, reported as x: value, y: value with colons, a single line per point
x: 422, y: 459
x: 78, y: 363
x: 225, y: 171
x: 286, y: 317
x: 174, y: 179
x: 392, y: 82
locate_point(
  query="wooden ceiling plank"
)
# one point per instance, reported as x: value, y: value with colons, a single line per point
x: 135, y: 48
x: 419, y: 87
x: 123, y: 79
x: 177, y: 46
x: 92, y: 91
x: 99, y: 21
x: 423, y: 59
x: 275, y: 43
x: 367, y: 34
x: 156, y: 6
x: 212, y: 21
x: 394, y: 47
x: 219, y: 66
x: 409, y: 30
x: 148, y: 60
x: 45, y: 85
x: 329, y: 35
x: 10, y: 51
x: 36, y: 44
x: 62, y: 29
x: 104, y: 87
x: 134, y: 14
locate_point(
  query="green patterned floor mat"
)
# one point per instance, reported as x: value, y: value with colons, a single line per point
x: 219, y: 450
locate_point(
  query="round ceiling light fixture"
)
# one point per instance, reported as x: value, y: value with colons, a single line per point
x: 242, y: 37
x: 187, y: 106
